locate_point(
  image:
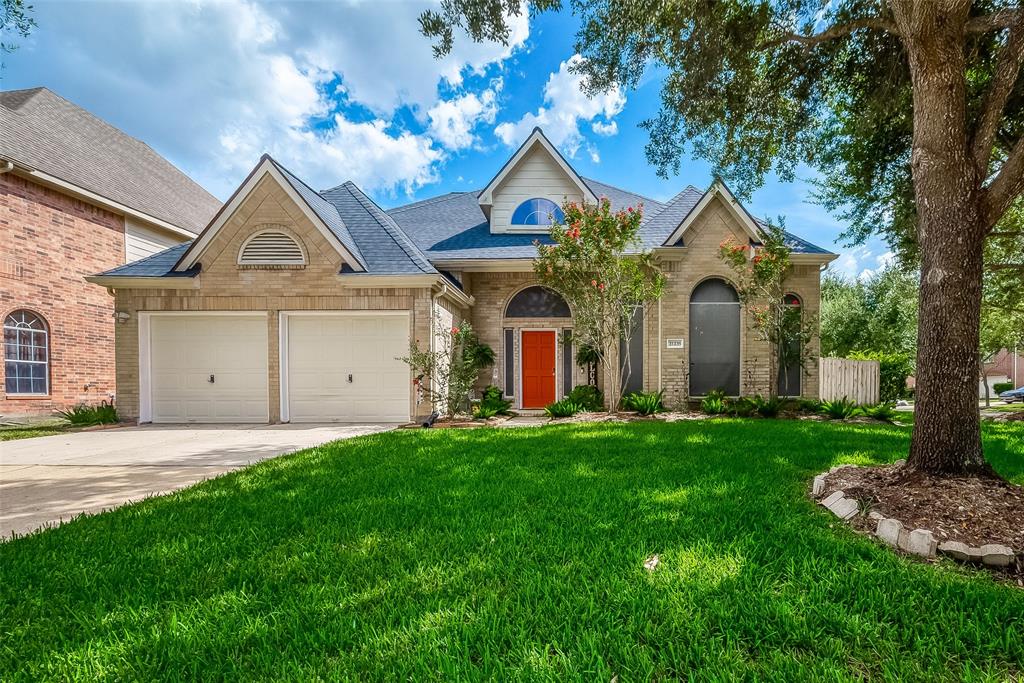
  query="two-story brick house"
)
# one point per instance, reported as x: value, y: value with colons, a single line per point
x: 76, y: 196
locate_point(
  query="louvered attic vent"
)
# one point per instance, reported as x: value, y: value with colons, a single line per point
x: 271, y: 248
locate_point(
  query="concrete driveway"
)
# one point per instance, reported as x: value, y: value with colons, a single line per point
x: 52, y: 478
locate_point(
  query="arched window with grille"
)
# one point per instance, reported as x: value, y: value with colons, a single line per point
x: 537, y: 212
x: 26, y: 354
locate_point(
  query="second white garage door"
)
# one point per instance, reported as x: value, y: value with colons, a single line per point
x: 344, y: 368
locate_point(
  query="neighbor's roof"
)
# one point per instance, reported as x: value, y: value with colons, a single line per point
x: 44, y: 132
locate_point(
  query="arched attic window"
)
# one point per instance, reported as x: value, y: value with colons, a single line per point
x: 271, y: 247
x: 537, y: 302
x: 537, y: 212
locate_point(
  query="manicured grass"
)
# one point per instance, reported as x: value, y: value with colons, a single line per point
x: 511, y: 554
x: 12, y: 433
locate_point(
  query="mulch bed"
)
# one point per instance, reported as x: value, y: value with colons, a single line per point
x: 969, y: 509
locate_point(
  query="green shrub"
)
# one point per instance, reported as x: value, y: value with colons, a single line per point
x: 839, y: 409
x: 893, y: 370
x: 483, y: 412
x: 85, y: 415
x: 768, y: 407
x: 588, y: 396
x: 742, y: 407
x: 563, y: 408
x: 647, y: 403
x: 808, y: 405
x: 882, y: 411
x: 714, y: 403
x: 1000, y: 387
x: 493, y: 400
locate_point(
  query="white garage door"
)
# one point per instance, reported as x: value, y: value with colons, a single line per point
x: 343, y: 368
x: 207, y: 368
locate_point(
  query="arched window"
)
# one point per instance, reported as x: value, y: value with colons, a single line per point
x: 790, y: 365
x: 714, y: 339
x: 271, y: 248
x: 537, y: 302
x: 26, y: 355
x: 537, y: 211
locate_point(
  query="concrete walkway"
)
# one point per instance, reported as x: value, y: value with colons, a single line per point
x: 48, y: 479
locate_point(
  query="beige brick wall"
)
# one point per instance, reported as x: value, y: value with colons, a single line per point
x: 693, y: 264
x: 224, y: 286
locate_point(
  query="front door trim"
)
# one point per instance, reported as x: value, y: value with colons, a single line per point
x: 522, y: 359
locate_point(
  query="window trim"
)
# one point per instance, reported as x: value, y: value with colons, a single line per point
x: 45, y: 363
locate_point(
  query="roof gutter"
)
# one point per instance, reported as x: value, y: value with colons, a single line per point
x: 7, y: 167
x: 115, y: 282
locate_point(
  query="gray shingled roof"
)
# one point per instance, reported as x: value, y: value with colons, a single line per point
x: 160, y: 264
x: 385, y: 248
x: 325, y: 210
x: 44, y: 132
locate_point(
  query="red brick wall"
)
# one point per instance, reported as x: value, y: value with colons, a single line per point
x: 48, y: 243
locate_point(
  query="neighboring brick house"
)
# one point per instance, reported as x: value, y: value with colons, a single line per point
x: 76, y: 196
x: 1003, y: 366
x: 294, y: 305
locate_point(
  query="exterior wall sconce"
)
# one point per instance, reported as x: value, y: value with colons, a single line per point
x: 123, y: 316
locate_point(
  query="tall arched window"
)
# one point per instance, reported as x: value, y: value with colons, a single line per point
x: 714, y: 338
x: 537, y: 211
x: 26, y: 355
x: 790, y: 367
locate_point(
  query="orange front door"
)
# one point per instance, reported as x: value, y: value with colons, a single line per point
x: 538, y: 369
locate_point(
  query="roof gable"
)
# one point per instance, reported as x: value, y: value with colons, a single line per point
x: 717, y: 189
x: 320, y: 212
x: 536, y: 140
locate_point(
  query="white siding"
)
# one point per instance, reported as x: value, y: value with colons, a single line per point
x: 141, y: 241
x: 536, y: 175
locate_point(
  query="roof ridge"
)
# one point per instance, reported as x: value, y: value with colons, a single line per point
x: 622, y: 189
x: 429, y: 200
x: 390, y: 226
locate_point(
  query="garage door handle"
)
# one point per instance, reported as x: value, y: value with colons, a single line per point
x: 211, y: 379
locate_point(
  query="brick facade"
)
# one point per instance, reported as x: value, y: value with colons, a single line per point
x: 226, y: 286
x: 48, y: 242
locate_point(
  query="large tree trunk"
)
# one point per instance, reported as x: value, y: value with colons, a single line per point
x: 947, y: 433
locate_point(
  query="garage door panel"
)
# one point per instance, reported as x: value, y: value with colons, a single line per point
x: 186, y: 350
x: 323, y: 351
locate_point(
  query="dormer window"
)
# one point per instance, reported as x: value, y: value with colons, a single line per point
x: 537, y: 212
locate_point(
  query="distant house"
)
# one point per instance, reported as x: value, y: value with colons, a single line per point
x: 1004, y: 366
x: 76, y: 196
x: 294, y: 305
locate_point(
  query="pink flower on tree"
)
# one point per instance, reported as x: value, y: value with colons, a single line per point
x: 455, y: 330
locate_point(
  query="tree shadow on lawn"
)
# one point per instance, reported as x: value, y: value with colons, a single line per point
x: 509, y: 554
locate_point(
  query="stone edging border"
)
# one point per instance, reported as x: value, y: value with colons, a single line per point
x: 920, y: 542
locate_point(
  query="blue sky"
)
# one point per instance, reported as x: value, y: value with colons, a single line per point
x: 350, y: 91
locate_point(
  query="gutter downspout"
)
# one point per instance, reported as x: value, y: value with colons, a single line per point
x: 7, y: 167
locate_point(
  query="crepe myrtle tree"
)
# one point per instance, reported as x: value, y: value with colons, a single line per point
x: 444, y: 375
x: 911, y: 111
x: 761, y: 274
x: 596, y: 264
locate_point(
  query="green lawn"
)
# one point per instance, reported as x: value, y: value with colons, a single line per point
x: 30, y: 431
x: 511, y: 554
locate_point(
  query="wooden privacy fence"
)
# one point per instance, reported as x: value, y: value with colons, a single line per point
x: 856, y: 380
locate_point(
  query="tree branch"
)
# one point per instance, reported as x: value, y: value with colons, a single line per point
x: 993, y: 22
x: 1005, y: 187
x: 1005, y: 77
x: 831, y: 33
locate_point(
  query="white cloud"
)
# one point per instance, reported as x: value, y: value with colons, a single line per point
x: 452, y: 121
x: 212, y: 84
x: 565, y: 106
